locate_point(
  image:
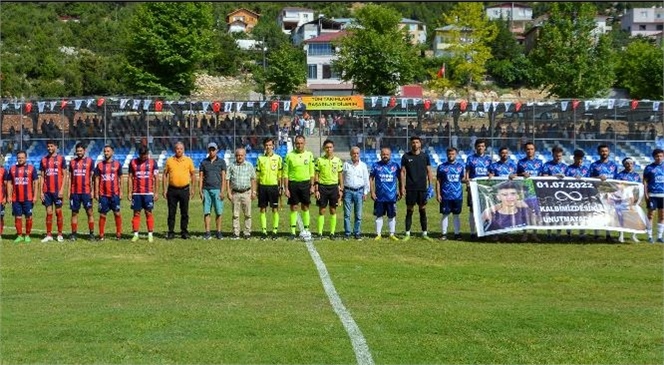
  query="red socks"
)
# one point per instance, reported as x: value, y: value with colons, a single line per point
x: 102, y: 225
x: 28, y: 225
x: 118, y: 225
x: 136, y: 221
x: 150, y: 219
x: 18, y: 222
x: 49, y: 223
x: 58, y: 213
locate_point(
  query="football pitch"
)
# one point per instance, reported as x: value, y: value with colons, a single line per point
x: 290, y: 302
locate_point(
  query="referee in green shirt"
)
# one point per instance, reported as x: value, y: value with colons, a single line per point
x: 327, y: 186
x: 268, y: 171
x: 298, y: 182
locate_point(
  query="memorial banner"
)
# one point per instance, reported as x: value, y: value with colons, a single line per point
x: 501, y: 205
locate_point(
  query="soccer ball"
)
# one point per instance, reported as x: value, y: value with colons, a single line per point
x: 305, y: 235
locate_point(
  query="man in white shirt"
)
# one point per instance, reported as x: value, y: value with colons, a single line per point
x: 356, y: 187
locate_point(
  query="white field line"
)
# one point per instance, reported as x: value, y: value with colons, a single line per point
x: 362, y: 353
x: 33, y: 230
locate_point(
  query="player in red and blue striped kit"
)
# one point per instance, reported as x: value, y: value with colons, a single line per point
x: 3, y: 199
x: 80, y: 175
x: 21, y: 182
x: 52, y: 181
x: 108, y: 191
x: 142, y: 190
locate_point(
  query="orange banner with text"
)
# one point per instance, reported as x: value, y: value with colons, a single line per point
x: 304, y: 103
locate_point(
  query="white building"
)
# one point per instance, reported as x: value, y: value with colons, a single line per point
x: 292, y: 17
x: 643, y: 21
x: 416, y: 29
x: 321, y: 79
x: 314, y: 29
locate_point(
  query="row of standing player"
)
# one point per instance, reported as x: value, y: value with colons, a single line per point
x: 23, y: 184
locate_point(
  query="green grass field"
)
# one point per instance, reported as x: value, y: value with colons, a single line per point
x: 263, y: 302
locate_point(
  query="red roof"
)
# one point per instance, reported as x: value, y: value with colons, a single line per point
x: 327, y: 37
x: 411, y: 91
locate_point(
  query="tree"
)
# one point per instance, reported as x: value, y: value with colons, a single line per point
x: 375, y: 54
x: 470, y: 35
x: 569, y: 57
x: 168, y: 41
x: 640, y: 70
x: 508, y: 65
x: 286, y: 70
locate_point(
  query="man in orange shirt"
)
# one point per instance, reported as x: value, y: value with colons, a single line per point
x: 179, y: 182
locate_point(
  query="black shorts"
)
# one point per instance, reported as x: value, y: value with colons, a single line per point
x: 268, y: 195
x: 300, y: 193
x: 451, y: 206
x: 329, y: 195
x: 655, y: 203
x: 418, y: 197
x: 382, y: 208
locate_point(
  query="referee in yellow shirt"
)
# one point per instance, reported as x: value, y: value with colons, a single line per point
x: 179, y: 181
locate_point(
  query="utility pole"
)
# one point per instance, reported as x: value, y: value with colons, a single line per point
x: 264, y: 69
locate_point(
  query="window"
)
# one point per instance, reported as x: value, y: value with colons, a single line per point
x: 312, y: 71
x: 305, y: 16
x: 642, y: 27
x: 328, y: 73
x: 413, y: 27
x: 644, y: 14
x: 320, y: 49
x: 660, y: 26
x: 236, y: 18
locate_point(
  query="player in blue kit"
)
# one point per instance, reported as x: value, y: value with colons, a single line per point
x: 603, y: 169
x: 578, y: 170
x: 504, y: 167
x: 384, y: 184
x: 477, y: 165
x: 653, y: 181
x: 527, y: 167
x: 450, y: 175
x: 555, y: 167
x: 628, y: 174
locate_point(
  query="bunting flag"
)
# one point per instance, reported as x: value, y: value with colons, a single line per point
x: 598, y: 103
x: 216, y: 107
x: 77, y: 104
x: 439, y: 104
x: 655, y: 106
x: 63, y: 104
x: 100, y: 102
x: 622, y: 103
x: 206, y: 104
x: 586, y: 104
x: 374, y: 100
x: 287, y: 105
x: 517, y: 106
x: 507, y: 104
x: 529, y: 103
x: 146, y: 104
x: 52, y: 105
x: 487, y: 106
x: 384, y: 100
x: 227, y: 106
x: 28, y: 107
x: 238, y: 106
x: 610, y: 103
x: 4, y: 106
x: 462, y: 105
x: 135, y: 104
x: 495, y: 105
x: 123, y: 103
x: 563, y: 105
x: 169, y: 102
x: 17, y: 106
x: 473, y: 105
x: 416, y: 101
x: 40, y: 106
x: 450, y: 105
x: 250, y: 104
x: 158, y: 105
x: 262, y: 104
x: 404, y: 103
x: 575, y: 104
x: 89, y: 103
x: 634, y: 104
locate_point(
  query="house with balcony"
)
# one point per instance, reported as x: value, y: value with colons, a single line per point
x: 241, y: 20
x: 416, y: 29
x: 518, y: 15
x: 443, y: 39
x: 314, y: 29
x: 290, y: 18
x: 321, y: 79
x: 643, y: 21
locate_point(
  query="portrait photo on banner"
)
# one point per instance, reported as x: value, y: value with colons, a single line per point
x: 506, y: 205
